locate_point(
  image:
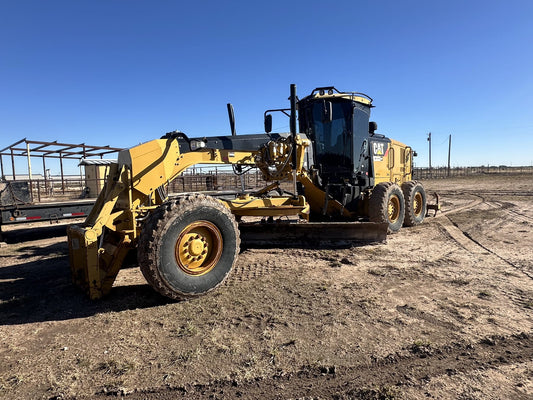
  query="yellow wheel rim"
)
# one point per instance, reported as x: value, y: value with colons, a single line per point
x: 198, y: 248
x: 418, y: 202
x: 394, y: 209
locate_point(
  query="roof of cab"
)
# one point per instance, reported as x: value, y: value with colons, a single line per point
x: 333, y: 93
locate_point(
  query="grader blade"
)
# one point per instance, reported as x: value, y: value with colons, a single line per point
x: 311, y: 234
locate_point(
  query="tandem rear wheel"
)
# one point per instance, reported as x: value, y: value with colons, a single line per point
x: 415, y: 203
x: 387, y: 205
x: 188, y: 246
x: 405, y: 206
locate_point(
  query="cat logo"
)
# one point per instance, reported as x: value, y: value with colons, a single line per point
x: 379, y: 149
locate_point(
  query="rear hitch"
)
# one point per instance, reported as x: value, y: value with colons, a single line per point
x: 433, y: 206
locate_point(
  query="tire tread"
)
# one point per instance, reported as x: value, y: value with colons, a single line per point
x: 409, y: 188
x: 153, y: 231
x: 379, y: 201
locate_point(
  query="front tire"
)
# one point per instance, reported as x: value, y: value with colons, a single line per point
x: 188, y: 246
x: 387, y: 205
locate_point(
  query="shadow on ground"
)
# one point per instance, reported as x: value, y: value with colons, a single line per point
x: 20, y: 234
x: 39, y: 288
x: 42, y: 291
x: 37, y: 291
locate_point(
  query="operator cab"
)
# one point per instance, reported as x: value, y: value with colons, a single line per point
x: 338, y: 125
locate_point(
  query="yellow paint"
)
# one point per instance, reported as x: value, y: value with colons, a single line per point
x: 97, y: 249
x: 395, y: 165
x: 268, y: 206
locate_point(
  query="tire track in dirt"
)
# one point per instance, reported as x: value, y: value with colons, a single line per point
x: 506, y: 261
x: 508, y: 209
x: 421, y: 315
x: 477, y: 199
x: 466, y: 241
x: 503, y: 192
x: 417, y: 367
x: 480, y: 198
x: 250, y: 268
x: 257, y: 262
x: 452, y: 231
x: 486, y: 192
x: 245, y: 272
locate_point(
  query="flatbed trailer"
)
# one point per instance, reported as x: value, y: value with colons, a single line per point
x: 29, y: 197
x: 52, y: 211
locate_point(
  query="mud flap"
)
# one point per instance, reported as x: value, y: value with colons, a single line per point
x: 311, y: 234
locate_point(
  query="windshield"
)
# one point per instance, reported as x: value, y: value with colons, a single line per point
x: 333, y: 139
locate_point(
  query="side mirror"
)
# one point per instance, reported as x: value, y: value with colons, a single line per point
x: 327, y: 112
x: 268, y: 123
x: 372, y: 127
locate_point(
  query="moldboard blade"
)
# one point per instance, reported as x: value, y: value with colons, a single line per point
x: 311, y: 234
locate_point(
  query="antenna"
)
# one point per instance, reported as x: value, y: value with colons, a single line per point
x: 429, y: 140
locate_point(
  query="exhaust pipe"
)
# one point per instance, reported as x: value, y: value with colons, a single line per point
x: 293, y: 136
x: 293, y: 111
x: 231, y: 116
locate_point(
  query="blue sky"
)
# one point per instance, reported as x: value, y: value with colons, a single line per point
x: 121, y: 72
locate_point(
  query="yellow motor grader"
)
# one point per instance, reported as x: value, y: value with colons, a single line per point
x: 349, y: 183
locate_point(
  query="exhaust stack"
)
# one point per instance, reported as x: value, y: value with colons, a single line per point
x: 231, y: 116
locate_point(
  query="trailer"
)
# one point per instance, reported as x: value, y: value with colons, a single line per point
x: 26, y: 196
x: 16, y: 205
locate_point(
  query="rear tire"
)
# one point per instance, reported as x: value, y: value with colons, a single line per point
x: 415, y: 203
x: 387, y: 205
x: 188, y: 246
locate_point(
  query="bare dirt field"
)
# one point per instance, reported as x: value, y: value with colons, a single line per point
x: 443, y: 310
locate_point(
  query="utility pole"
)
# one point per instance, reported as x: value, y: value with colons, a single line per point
x: 449, y: 151
x: 429, y: 140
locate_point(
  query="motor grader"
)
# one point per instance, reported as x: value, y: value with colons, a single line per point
x: 348, y: 183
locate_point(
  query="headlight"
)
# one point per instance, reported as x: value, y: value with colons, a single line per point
x: 197, y: 144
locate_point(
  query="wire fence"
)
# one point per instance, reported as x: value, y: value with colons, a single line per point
x: 26, y: 191
x: 215, y: 180
x: 444, y: 172
x: 60, y: 189
x: 200, y: 179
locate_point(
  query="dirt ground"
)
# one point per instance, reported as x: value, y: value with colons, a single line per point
x: 443, y: 310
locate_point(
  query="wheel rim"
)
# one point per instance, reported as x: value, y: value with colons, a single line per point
x: 394, y: 209
x: 198, y: 248
x: 418, y: 202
